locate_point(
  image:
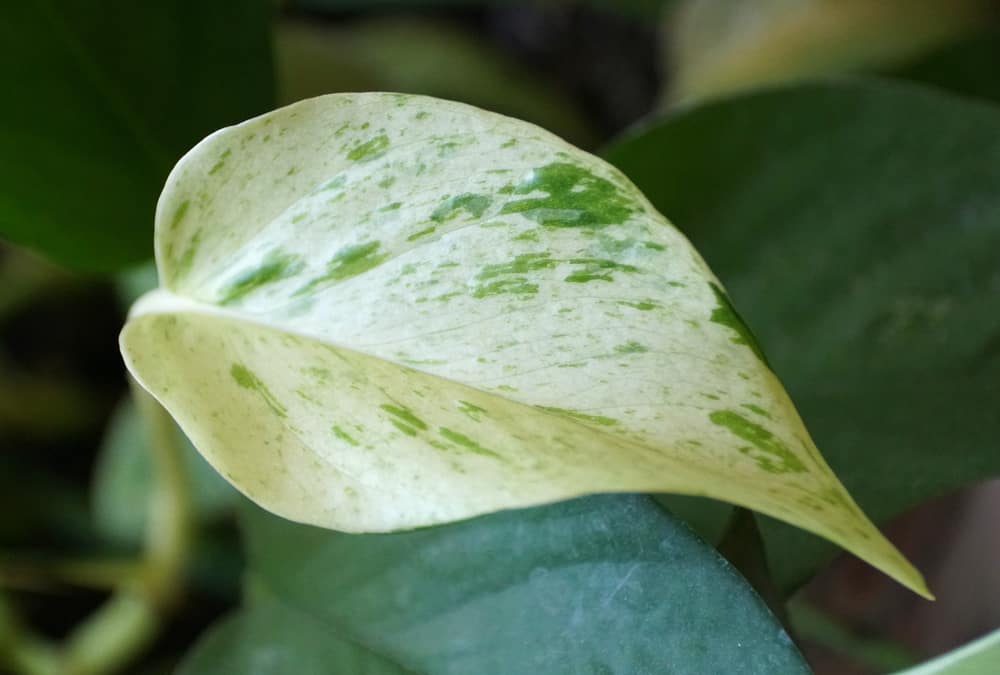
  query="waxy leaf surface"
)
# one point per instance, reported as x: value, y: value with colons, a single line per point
x: 600, y: 584
x: 381, y: 311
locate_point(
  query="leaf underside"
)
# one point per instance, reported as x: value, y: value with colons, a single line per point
x: 381, y: 311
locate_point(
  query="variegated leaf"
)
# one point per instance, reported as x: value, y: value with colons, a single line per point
x: 382, y: 311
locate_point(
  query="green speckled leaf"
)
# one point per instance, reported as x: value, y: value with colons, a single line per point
x: 382, y: 311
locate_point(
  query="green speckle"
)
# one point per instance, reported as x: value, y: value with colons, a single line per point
x: 583, y: 417
x: 387, y: 182
x: 370, y: 149
x: 576, y: 198
x: 771, y: 454
x: 246, y: 379
x: 642, y: 305
x: 186, y: 259
x: 527, y: 235
x: 348, y: 262
x: 274, y: 267
x: 334, y: 183
x: 512, y: 286
x: 631, y: 347
x: 344, y: 436
x: 473, y: 204
x: 422, y: 115
x: 522, y: 264
x: 471, y: 409
x: 503, y: 277
x: 404, y: 416
x: 422, y: 233
x: 467, y: 443
x: 391, y: 207
x: 725, y: 315
x: 299, y: 217
x: 509, y: 144
x: 179, y: 214
x: 405, y: 428
x: 757, y: 409
x: 220, y: 163
x: 596, y: 269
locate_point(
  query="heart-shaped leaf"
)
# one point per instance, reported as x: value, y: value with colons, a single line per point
x: 604, y: 584
x: 380, y: 311
x: 858, y: 224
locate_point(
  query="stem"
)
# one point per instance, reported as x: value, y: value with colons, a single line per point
x: 743, y: 547
x: 20, y: 649
x: 131, y: 618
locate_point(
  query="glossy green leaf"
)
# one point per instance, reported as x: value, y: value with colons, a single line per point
x: 381, y: 311
x: 858, y: 226
x: 606, y: 584
x: 101, y: 101
x: 979, y: 657
x: 420, y: 56
x: 123, y: 480
x: 719, y: 46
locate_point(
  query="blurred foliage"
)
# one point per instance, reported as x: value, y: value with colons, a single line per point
x: 885, y: 229
x: 106, y: 101
x: 718, y: 46
x: 419, y: 56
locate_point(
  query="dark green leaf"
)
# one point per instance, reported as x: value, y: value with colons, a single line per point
x: 606, y: 584
x: 102, y: 100
x: 857, y: 227
x: 968, y: 68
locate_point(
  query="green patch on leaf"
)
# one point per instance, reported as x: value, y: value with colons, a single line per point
x: 473, y: 204
x: 246, y: 379
x: 576, y: 198
x: 725, y: 315
x: 274, y: 267
x: 770, y: 453
x: 348, y: 262
x: 370, y: 149
x: 467, y: 443
x: 583, y: 417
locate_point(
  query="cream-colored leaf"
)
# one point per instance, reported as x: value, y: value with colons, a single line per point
x: 382, y: 311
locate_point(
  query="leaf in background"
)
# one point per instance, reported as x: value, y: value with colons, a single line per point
x: 271, y: 638
x: 636, y: 7
x: 102, y: 102
x: 979, y: 657
x: 968, y: 68
x: 607, y: 584
x: 719, y: 46
x: 858, y: 226
x: 382, y: 311
x: 420, y: 56
x: 123, y: 481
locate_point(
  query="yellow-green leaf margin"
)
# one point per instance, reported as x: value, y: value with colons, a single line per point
x: 380, y: 311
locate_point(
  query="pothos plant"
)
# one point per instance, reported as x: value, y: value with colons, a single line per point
x: 446, y: 355
x: 381, y: 312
